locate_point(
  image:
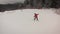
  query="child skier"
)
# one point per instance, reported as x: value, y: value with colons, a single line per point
x: 36, y: 16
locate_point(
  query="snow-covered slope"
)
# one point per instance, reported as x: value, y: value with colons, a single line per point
x: 21, y: 22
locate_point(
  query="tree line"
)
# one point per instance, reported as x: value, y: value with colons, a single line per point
x: 38, y: 4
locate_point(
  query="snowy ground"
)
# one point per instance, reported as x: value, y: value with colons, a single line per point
x: 21, y: 22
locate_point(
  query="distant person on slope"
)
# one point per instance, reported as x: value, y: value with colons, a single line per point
x: 36, y: 16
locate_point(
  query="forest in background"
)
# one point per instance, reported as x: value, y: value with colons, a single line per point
x: 31, y: 4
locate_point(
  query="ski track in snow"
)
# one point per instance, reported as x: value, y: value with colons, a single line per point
x: 22, y: 22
